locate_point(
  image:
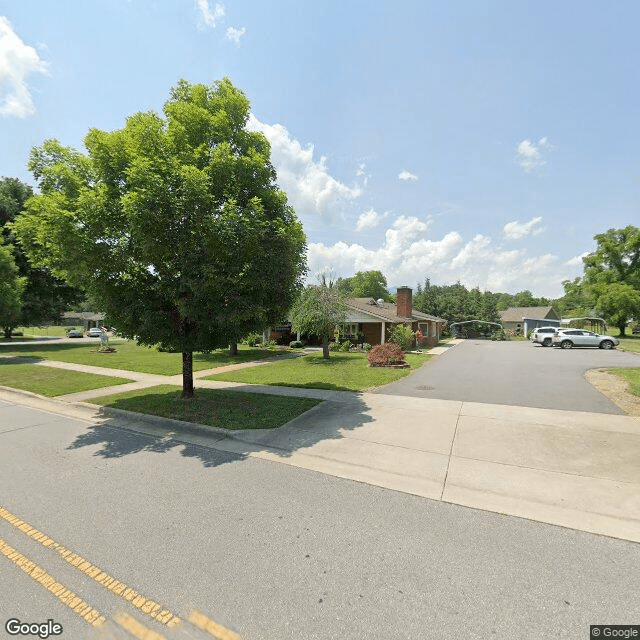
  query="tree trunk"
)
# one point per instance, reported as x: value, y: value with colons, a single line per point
x: 622, y: 326
x: 7, y: 332
x: 233, y: 349
x: 325, y: 347
x: 187, y: 375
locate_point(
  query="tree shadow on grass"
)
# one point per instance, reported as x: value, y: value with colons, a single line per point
x: 118, y: 436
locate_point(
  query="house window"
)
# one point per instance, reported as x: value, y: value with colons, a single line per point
x: 424, y: 327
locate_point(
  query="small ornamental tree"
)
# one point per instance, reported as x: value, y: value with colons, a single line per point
x: 403, y: 336
x: 317, y: 312
x: 383, y: 355
x: 174, y: 224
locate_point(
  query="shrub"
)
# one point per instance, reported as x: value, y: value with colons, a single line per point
x: 419, y: 336
x: 268, y: 343
x: 251, y: 339
x: 366, y: 346
x: 345, y: 346
x: 334, y: 346
x: 17, y: 333
x: 385, y: 354
x: 403, y: 336
x: 296, y: 344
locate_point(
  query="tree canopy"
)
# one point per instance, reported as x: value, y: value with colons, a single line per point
x: 456, y: 303
x: 365, y: 284
x: 612, y: 274
x: 174, y: 223
x: 11, y: 287
x: 44, y: 298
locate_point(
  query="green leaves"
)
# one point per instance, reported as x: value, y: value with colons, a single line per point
x: 174, y: 224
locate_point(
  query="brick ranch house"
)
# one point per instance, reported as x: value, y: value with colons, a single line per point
x: 372, y: 321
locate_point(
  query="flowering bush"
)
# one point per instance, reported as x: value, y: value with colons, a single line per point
x: 419, y: 337
x: 385, y: 354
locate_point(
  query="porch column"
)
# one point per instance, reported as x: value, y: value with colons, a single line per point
x: 298, y: 336
x: 382, y: 334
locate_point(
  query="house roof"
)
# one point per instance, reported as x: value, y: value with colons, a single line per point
x: 386, y: 311
x: 85, y: 315
x: 517, y: 314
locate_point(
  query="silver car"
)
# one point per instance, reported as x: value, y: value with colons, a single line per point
x: 568, y: 338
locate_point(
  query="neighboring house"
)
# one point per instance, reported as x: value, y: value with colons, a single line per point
x: 374, y: 320
x: 86, y: 319
x: 521, y: 320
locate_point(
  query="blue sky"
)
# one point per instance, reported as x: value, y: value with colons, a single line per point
x: 481, y: 141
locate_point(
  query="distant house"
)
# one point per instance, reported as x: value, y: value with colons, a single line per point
x: 374, y: 320
x: 521, y: 320
x: 85, y: 319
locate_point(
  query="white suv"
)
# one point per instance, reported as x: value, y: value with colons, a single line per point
x: 543, y: 335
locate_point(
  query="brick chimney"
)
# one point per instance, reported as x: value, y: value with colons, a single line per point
x: 404, y: 301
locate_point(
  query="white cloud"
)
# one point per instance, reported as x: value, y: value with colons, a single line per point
x: 576, y: 261
x: 516, y: 230
x: 234, y: 34
x: 311, y: 190
x: 407, y: 175
x: 210, y: 17
x: 406, y: 256
x: 529, y: 155
x: 369, y: 219
x: 17, y: 61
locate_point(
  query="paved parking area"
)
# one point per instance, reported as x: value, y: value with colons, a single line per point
x: 515, y: 373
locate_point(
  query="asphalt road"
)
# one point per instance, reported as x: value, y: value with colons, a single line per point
x: 515, y: 373
x: 272, y: 551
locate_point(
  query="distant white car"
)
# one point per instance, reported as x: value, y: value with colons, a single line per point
x: 94, y: 332
x: 568, y: 338
x: 74, y: 333
x: 543, y: 335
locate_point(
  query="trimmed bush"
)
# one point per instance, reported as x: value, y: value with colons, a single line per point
x: 345, y: 346
x: 334, y: 346
x: 296, y: 344
x: 383, y: 355
x: 366, y: 346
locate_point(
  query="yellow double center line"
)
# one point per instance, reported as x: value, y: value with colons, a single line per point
x: 90, y: 615
x: 146, y: 605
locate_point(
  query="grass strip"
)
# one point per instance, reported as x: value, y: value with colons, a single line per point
x: 51, y: 382
x: 231, y: 410
x: 342, y: 372
x: 131, y: 357
x: 632, y: 376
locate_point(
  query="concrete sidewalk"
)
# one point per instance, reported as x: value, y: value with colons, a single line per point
x: 568, y: 468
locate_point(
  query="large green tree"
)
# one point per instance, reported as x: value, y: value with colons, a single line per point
x: 616, y: 260
x: 365, y: 284
x: 11, y: 288
x: 317, y: 311
x: 174, y: 223
x: 44, y: 297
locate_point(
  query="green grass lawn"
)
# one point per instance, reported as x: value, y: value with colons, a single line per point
x: 51, y: 382
x: 633, y: 377
x: 219, y: 408
x: 130, y: 357
x: 342, y: 372
x: 59, y: 332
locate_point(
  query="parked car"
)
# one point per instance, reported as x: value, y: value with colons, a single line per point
x: 567, y: 338
x: 94, y: 332
x: 543, y: 335
x: 74, y: 333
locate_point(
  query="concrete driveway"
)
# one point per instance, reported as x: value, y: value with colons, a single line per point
x: 515, y: 373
